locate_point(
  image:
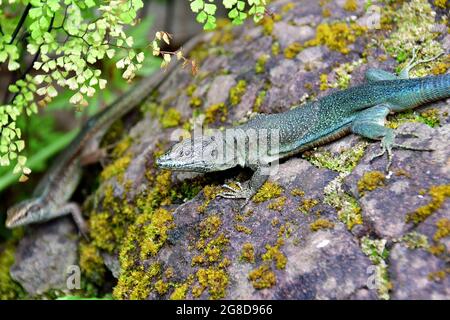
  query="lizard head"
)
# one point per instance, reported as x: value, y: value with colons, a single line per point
x: 198, y: 154
x: 25, y: 212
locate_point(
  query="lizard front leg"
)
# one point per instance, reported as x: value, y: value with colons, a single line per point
x: 74, y: 210
x: 248, y: 190
x: 370, y: 124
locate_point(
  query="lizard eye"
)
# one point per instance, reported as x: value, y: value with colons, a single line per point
x: 34, y: 208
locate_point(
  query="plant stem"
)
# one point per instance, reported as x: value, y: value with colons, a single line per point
x: 21, y: 22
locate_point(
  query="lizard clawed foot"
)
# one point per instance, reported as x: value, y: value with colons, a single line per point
x: 387, y: 147
x: 403, y: 146
x: 85, y: 233
x: 404, y: 73
x: 83, y: 228
x: 226, y: 186
x: 239, y: 193
x: 409, y: 134
x: 379, y: 154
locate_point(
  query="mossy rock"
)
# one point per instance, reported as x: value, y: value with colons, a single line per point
x: 301, y: 237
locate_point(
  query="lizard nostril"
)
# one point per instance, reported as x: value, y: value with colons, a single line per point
x: 9, y: 222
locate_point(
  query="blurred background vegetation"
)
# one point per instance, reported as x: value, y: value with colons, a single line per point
x: 49, y: 131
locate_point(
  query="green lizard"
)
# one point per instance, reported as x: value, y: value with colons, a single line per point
x: 50, y: 197
x: 361, y: 109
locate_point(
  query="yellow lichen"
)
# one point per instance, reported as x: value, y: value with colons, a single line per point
x: 438, y: 195
x: 275, y: 222
x: 243, y: 229
x: 292, y: 50
x: 198, y: 259
x: 210, y: 192
x: 275, y: 48
x: 121, y: 147
x: 215, y: 280
x: 261, y: 63
x: 195, y: 102
x: 91, y: 263
x: 190, y: 90
x: 135, y: 285
x: 100, y: 229
x: 262, y: 277
x: 259, y: 100
x: 277, y: 204
x: 438, y: 276
x: 155, y: 227
x: 370, y: 181
x: 222, y: 37
x: 214, y: 249
x: 440, y: 3
x: 161, y: 287
x: 437, y: 249
x: 307, y: 205
x: 210, y: 226
x: 287, y: 7
x: 269, y: 190
x: 297, y: 192
x: 267, y: 24
x: 326, y: 12
x: 440, y: 68
x: 211, y: 251
x: 169, y: 272
x: 9, y: 289
x: 248, y: 253
x: 116, y: 169
x: 237, y: 92
x: 273, y: 253
x: 160, y: 193
x: 136, y: 229
x: 180, y: 291
x: 336, y: 36
x: 321, y: 224
x: 216, y: 112
x: 171, y: 118
x: 351, y: 5
x: 323, y: 82
x: 443, y: 229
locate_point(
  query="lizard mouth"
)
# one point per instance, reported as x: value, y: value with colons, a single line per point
x: 164, y: 163
x: 21, y: 213
x: 10, y: 221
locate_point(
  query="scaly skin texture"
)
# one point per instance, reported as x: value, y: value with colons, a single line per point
x: 50, y: 198
x: 361, y: 110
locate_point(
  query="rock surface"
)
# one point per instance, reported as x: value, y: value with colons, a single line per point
x: 320, y: 234
x: 44, y: 257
